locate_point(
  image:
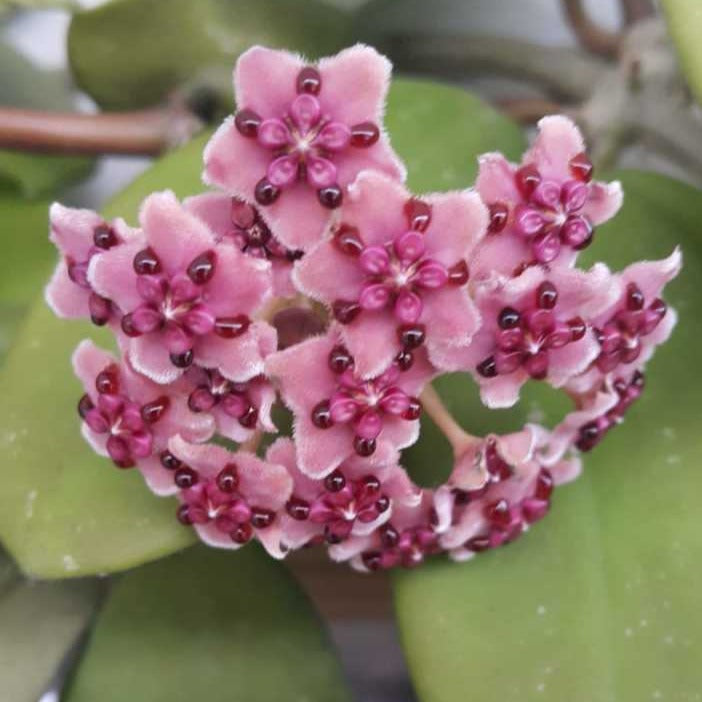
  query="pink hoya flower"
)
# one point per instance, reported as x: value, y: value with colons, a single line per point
x: 301, y: 134
x: 79, y: 235
x: 545, y: 210
x: 230, y: 498
x: 239, y: 223
x: 353, y: 500
x: 533, y: 326
x: 400, y: 269
x: 337, y: 413
x: 186, y: 298
x: 131, y: 419
x: 638, y: 321
x: 238, y: 409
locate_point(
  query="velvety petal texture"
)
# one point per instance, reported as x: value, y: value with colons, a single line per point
x: 301, y: 134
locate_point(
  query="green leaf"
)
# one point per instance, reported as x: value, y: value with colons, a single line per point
x: 131, y: 53
x: 39, y: 624
x: 211, y: 625
x: 88, y: 517
x: 599, y: 602
x: 24, y: 85
x: 25, y: 263
x: 685, y: 24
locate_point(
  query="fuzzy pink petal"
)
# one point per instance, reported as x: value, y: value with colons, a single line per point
x: 272, y: 539
x: 64, y: 297
x: 225, y: 155
x: 263, y: 484
x: 230, y: 427
x: 518, y: 447
x: 71, y: 230
x: 214, y: 209
x: 459, y: 221
x: 566, y: 470
x: 558, y: 140
x: 652, y: 276
x: 302, y: 373
x: 240, y: 284
x: 159, y: 480
x: 176, y: 235
x: 399, y: 433
x: 265, y: 79
x: 326, y: 274
x: 372, y: 340
x: 179, y: 419
x: 495, y: 181
x: 380, y: 158
x: 374, y: 204
x: 88, y: 360
x: 112, y: 274
x: 97, y: 442
x: 264, y: 396
x: 149, y: 356
x: 499, y: 253
x: 320, y: 451
x: 212, y: 536
x: 604, y: 201
x: 354, y: 84
x: 571, y: 360
x: 585, y: 293
x: 502, y: 391
x: 451, y: 319
x: 237, y: 359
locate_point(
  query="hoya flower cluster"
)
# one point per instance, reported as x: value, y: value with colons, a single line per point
x: 312, y: 277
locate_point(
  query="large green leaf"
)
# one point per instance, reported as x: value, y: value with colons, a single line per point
x: 88, y: 517
x: 24, y: 85
x: 685, y: 24
x: 25, y: 263
x: 209, y: 625
x: 39, y: 624
x: 130, y: 53
x: 599, y: 602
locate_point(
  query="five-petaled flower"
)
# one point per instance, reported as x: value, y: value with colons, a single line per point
x: 400, y: 268
x: 301, y: 134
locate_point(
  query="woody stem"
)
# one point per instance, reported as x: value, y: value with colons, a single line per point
x: 434, y: 406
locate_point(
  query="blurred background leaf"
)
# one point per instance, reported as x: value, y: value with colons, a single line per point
x: 39, y: 624
x: 600, y: 602
x: 213, y: 625
x: 134, y: 53
x: 24, y: 85
x: 685, y: 26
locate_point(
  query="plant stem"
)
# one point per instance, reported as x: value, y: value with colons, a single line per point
x: 529, y: 110
x: 590, y: 35
x: 434, y: 406
x: 567, y: 74
x: 143, y: 132
x: 636, y: 10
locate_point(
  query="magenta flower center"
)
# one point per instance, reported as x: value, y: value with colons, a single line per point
x: 341, y: 504
x: 176, y: 306
x: 551, y: 215
x: 590, y: 434
x: 364, y: 404
x: 304, y: 142
x: 524, y: 337
x: 407, y: 548
x: 397, y: 275
x: 621, y: 337
x: 218, y: 501
x: 232, y: 398
x: 127, y: 424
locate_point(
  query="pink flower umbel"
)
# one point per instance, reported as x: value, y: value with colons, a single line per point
x: 79, y: 235
x: 544, y: 211
x: 239, y: 223
x: 337, y: 413
x: 230, y: 498
x: 534, y: 326
x: 131, y: 419
x: 186, y: 298
x: 314, y: 279
x: 400, y: 271
x: 301, y: 134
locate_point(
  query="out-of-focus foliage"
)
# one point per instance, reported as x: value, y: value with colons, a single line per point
x: 24, y: 85
x: 685, y: 25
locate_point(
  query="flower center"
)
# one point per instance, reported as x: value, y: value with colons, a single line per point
x: 364, y: 404
x: 232, y: 398
x: 305, y: 142
x: 524, y: 338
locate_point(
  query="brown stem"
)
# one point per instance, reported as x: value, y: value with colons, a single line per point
x: 636, y: 10
x: 434, y: 406
x: 144, y: 132
x: 590, y: 35
x: 529, y: 110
